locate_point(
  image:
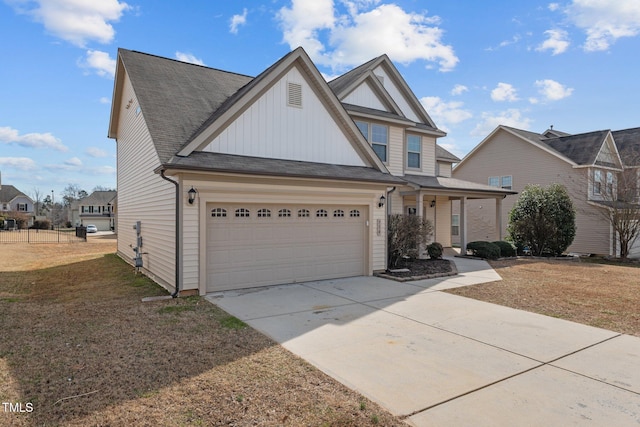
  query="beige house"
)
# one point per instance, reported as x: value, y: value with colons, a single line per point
x: 96, y: 209
x: 586, y: 164
x: 227, y: 181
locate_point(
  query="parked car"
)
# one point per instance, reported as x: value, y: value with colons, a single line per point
x: 92, y: 228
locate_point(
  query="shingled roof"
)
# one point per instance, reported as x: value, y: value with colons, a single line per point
x: 175, y: 97
x: 581, y: 148
x: 9, y: 192
x: 628, y: 143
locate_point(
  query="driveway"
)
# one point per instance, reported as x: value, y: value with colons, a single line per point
x: 440, y: 359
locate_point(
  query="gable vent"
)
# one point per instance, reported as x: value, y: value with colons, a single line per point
x: 294, y: 94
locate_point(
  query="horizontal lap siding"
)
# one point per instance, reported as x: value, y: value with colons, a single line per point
x: 144, y: 196
x: 506, y: 154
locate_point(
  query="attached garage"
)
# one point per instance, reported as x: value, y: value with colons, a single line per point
x: 250, y: 245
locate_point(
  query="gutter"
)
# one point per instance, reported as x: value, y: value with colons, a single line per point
x: 177, y: 279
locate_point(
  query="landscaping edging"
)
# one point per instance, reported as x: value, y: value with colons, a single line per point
x: 453, y: 272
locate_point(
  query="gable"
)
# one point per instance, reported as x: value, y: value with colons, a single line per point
x: 608, y: 154
x: 397, y: 95
x: 365, y: 96
x: 270, y: 127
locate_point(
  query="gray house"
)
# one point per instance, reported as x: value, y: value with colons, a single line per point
x: 14, y: 200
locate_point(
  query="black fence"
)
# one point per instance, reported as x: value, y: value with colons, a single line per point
x: 79, y: 234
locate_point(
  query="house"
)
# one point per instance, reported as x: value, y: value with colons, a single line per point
x: 227, y: 181
x: 587, y: 164
x: 98, y: 209
x: 14, y: 201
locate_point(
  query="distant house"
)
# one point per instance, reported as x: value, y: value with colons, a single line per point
x: 97, y: 209
x: 235, y: 181
x: 14, y: 200
x: 587, y: 164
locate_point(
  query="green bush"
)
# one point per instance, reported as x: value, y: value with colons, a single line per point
x: 41, y: 224
x: 543, y: 219
x: 506, y: 249
x: 486, y: 250
x: 435, y: 250
x: 405, y: 234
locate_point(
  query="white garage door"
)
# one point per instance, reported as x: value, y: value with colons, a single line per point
x: 252, y: 245
x: 634, y: 250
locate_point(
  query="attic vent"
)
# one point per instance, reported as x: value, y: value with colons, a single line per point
x: 294, y: 94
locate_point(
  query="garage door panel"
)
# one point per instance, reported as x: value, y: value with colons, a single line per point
x: 257, y: 251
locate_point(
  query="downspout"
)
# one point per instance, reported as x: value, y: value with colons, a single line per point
x: 177, y: 261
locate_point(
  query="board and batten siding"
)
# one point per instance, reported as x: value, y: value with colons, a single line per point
x: 397, y: 95
x: 143, y: 196
x: 506, y: 154
x: 273, y: 129
x: 364, y: 96
x: 395, y: 165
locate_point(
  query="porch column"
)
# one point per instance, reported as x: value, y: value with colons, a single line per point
x: 419, y: 203
x: 499, y: 218
x: 463, y: 225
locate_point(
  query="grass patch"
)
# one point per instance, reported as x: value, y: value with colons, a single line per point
x: 231, y: 322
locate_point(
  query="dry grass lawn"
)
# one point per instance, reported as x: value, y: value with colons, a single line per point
x: 78, y: 343
x: 602, y: 295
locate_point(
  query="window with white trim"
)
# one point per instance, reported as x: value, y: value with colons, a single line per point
x: 494, y: 181
x: 355, y: 213
x: 338, y: 213
x: 414, y: 144
x: 322, y: 213
x: 597, y: 181
x: 610, y: 183
x: 378, y: 137
x: 506, y: 182
x: 22, y: 207
x: 243, y: 213
x: 284, y: 213
x: 219, y: 213
x: 264, y: 213
x: 303, y: 213
x: 455, y: 225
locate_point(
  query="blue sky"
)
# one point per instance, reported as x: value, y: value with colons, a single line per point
x: 474, y: 65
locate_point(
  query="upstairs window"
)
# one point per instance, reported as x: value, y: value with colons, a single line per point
x: 494, y: 181
x: 505, y: 182
x: 610, y: 183
x: 378, y: 137
x: 413, y: 151
x: 597, y: 181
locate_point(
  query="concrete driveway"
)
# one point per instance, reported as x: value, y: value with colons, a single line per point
x: 439, y: 359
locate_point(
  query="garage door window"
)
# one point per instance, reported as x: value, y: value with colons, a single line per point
x: 354, y: 213
x: 243, y: 213
x: 338, y: 213
x: 264, y: 213
x: 219, y: 213
x: 284, y: 213
x: 321, y: 213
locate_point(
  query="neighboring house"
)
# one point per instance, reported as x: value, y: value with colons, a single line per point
x: 96, y: 209
x: 587, y: 164
x: 234, y: 181
x: 14, y: 200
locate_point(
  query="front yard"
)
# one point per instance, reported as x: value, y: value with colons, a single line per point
x: 602, y: 295
x: 80, y: 346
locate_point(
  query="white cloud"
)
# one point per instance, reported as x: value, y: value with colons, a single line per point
x: 74, y: 161
x: 100, y: 62
x: 553, y: 7
x: 557, y: 42
x: 105, y: 100
x: 188, y: 57
x: 512, y: 117
x: 445, y: 113
x: 31, y: 140
x: 552, y: 90
x: 237, y: 20
x: 504, y: 92
x: 21, y: 163
x: 96, y: 152
x: 459, y: 90
x: 605, y: 21
x: 343, y: 40
x: 76, y: 21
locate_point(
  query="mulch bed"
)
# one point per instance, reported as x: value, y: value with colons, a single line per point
x: 420, y: 269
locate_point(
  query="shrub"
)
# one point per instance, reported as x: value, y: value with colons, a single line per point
x: 483, y: 249
x: 543, y: 219
x: 435, y: 250
x: 405, y: 234
x: 41, y: 225
x: 506, y: 249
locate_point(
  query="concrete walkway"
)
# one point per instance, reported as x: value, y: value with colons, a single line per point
x: 438, y: 359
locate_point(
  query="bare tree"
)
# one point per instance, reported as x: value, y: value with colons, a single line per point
x: 37, y: 200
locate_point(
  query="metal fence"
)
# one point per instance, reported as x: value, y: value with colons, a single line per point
x: 44, y: 236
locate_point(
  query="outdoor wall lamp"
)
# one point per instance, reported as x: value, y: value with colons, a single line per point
x: 381, y: 201
x: 433, y: 203
x: 192, y: 195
